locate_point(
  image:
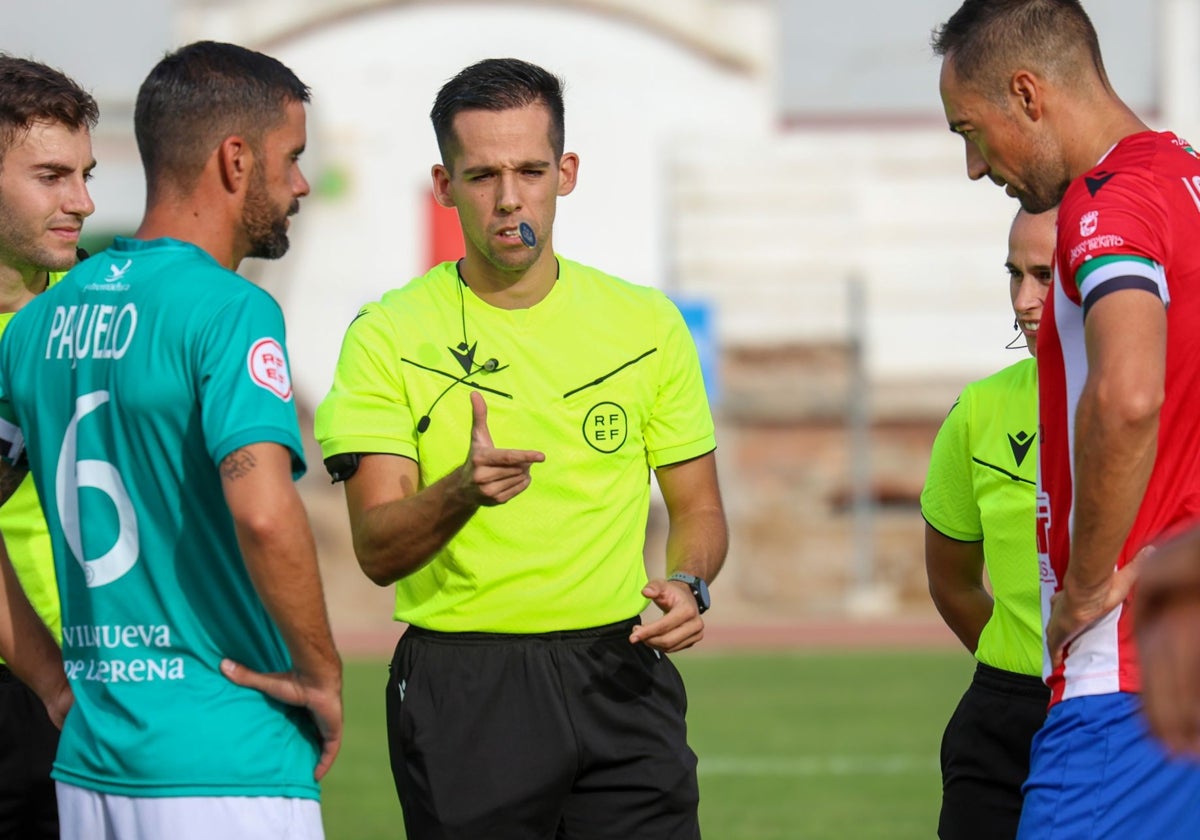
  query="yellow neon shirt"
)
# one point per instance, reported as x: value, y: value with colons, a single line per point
x: 982, y: 486
x: 27, y: 538
x: 601, y: 375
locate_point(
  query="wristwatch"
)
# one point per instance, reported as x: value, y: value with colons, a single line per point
x: 698, y: 586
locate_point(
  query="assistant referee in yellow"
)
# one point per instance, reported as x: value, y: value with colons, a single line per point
x: 978, y: 504
x: 526, y: 699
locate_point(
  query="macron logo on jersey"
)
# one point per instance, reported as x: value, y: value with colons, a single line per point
x: 1094, y: 185
x: 1020, y: 446
x: 269, y: 369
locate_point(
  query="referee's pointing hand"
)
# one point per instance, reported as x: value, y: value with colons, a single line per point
x: 493, y: 476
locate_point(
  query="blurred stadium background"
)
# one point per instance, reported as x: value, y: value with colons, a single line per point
x: 783, y: 170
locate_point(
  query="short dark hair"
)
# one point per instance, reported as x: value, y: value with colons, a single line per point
x: 31, y: 92
x: 497, y: 84
x: 987, y: 39
x: 199, y: 95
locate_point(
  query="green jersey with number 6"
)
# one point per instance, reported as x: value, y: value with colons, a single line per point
x: 127, y: 383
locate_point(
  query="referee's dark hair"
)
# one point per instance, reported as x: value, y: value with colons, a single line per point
x: 989, y: 39
x: 32, y: 92
x: 199, y: 95
x: 497, y: 84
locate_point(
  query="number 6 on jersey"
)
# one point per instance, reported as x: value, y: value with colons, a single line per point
x: 71, y: 476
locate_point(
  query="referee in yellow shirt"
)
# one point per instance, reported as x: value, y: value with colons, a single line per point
x: 978, y: 505
x: 526, y: 699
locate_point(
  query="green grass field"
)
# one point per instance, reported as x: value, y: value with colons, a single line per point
x: 792, y: 746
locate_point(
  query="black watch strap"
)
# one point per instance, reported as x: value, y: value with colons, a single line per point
x: 699, y: 589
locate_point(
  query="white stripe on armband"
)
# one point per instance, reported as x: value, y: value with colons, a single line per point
x: 12, y: 441
x: 1114, y: 269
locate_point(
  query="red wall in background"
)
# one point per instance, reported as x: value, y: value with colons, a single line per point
x: 444, y: 237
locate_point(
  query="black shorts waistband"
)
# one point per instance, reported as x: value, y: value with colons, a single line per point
x: 6, y: 674
x: 1009, y: 682
x: 617, y: 629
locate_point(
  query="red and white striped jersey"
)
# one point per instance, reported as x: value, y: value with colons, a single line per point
x: 1131, y: 222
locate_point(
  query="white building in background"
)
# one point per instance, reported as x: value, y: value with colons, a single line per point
x: 754, y: 153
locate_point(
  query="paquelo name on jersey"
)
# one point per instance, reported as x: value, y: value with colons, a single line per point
x: 89, y: 330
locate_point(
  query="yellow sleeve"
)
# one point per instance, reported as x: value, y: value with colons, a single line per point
x: 948, y: 500
x: 367, y: 407
x: 680, y: 426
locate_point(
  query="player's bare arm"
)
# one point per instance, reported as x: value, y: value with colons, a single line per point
x: 29, y: 648
x: 25, y: 641
x: 281, y: 558
x: 398, y: 526
x: 238, y: 464
x: 697, y: 541
x: 955, y: 572
x: 1116, y: 437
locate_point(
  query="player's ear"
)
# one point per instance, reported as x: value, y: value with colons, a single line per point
x: 1026, y: 89
x: 441, y: 185
x: 568, y: 171
x: 234, y: 161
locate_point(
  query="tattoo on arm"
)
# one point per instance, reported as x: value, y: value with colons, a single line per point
x: 237, y: 464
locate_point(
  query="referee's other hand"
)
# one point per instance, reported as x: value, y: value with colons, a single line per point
x: 680, y: 626
x: 492, y: 476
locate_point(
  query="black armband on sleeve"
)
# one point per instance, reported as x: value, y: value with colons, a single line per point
x: 12, y: 445
x: 341, y: 467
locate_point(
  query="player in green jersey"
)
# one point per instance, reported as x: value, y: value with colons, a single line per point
x: 207, y: 688
x: 45, y: 162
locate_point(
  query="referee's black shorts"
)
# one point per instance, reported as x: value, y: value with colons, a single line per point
x: 571, y: 735
x: 985, y: 754
x: 28, y: 741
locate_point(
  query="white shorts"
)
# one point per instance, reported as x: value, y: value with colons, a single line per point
x: 91, y: 815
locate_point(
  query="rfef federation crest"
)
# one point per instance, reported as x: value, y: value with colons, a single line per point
x: 606, y: 427
x: 269, y: 369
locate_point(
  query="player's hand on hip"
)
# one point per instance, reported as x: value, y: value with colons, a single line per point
x: 59, y: 702
x: 323, y: 702
x: 492, y: 476
x: 680, y: 626
x: 1073, y: 611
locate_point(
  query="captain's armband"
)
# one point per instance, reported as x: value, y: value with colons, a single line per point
x: 12, y: 445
